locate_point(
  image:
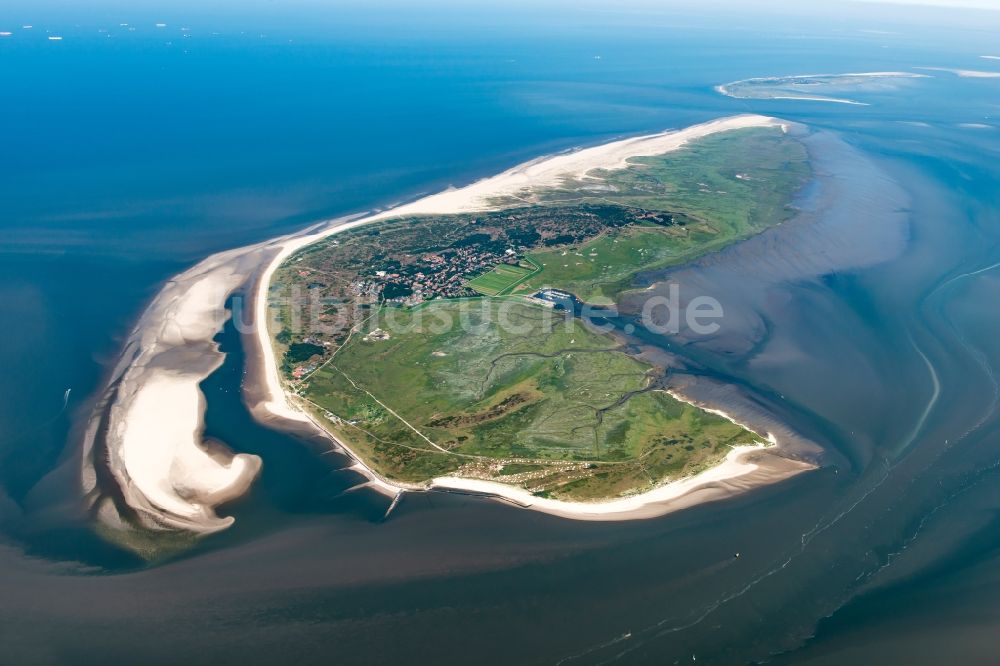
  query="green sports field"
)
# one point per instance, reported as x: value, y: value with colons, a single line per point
x: 500, y: 280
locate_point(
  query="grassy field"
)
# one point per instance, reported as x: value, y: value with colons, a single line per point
x: 725, y: 187
x: 501, y: 279
x: 599, y: 269
x: 542, y: 401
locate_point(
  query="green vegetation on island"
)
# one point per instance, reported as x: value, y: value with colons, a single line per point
x: 539, y: 399
x: 419, y: 342
x: 721, y: 189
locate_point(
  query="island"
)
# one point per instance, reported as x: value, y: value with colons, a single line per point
x: 466, y: 342
x: 451, y: 346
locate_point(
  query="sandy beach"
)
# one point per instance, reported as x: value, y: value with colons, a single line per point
x: 153, y: 439
x: 151, y: 446
x: 745, y: 467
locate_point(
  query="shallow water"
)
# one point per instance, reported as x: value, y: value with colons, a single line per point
x: 884, y: 355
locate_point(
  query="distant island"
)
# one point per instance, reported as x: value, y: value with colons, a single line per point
x: 447, y: 345
x: 818, y: 87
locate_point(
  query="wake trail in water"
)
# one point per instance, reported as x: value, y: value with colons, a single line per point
x: 43, y: 424
x: 929, y: 407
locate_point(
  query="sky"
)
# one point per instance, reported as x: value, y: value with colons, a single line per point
x: 957, y: 4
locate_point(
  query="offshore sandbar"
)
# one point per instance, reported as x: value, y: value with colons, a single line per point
x: 809, y: 87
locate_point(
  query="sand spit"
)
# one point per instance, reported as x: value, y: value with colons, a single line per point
x: 146, y: 431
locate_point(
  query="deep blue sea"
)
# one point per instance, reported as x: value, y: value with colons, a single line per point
x: 129, y: 152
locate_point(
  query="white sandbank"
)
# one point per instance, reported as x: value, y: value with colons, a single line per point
x: 168, y: 475
x: 481, y: 196
x: 784, y: 78
x: 835, y: 100
x: 724, y: 90
x: 152, y: 444
x: 965, y: 73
